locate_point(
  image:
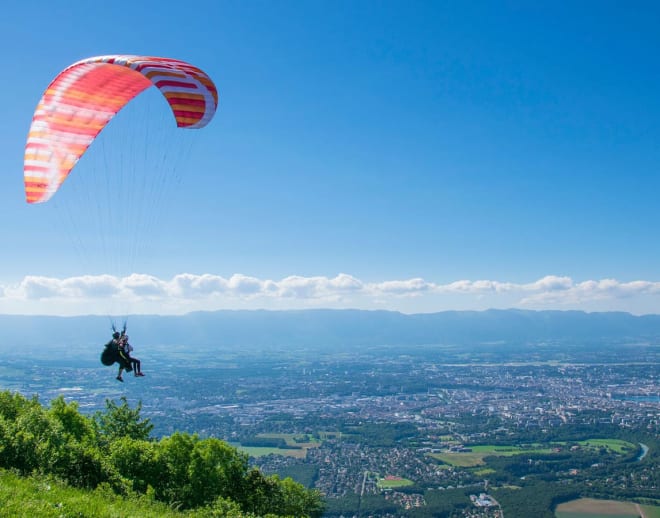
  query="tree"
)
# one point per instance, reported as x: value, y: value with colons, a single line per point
x: 123, y: 421
x: 75, y: 424
x: 138, y: 461
x: 261, y: 494
x: 216, y: 469
x: 206, y: 477
x: 299, y: 501
x: 173, y: 483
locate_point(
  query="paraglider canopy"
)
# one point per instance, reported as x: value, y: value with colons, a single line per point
x: 119, y: 122
x: 83, y: 98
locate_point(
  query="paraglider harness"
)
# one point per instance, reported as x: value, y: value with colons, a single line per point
x: 112, y: 352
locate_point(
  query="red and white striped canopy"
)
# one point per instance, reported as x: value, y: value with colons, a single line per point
x: 83, y: 98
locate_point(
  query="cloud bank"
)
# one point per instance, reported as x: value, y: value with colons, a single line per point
x: 141, y: 293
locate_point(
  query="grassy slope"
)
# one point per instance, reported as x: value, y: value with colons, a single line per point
x: 44, y: 497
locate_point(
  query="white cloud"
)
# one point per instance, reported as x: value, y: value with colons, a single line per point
x: 193, y: 286
x: 140, y: 285
x: 588, y: 291
x: 408, y: 287
x: 87, y: 286
x: 298, y: 287
x: 551, y: 283
x: 186, y: 292
x: 242, y: 285
x: 36, y: 288
x: 477, y: 287
x: 92, y: 286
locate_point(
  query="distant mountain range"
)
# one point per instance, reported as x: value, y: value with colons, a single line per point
x: 333, y: 328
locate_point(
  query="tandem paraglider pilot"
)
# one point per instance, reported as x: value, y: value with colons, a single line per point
x: 118, y: 351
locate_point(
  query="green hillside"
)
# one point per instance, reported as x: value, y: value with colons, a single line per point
x: 46, y: 496
x: 56, y: 461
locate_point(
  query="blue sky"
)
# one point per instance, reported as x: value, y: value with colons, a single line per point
x: 409, y: 156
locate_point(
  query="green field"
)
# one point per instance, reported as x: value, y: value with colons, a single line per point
x: 506, y: 451
x: 592, y: 508
x: 615, y: 445
x: 651, y: 511
x: 298, y: 450
x: 292, y: 439
x: 592, y: 515
x: 478, y: 453
x: 462, y: 460
x: 260, y: 451
x: 394, y: 483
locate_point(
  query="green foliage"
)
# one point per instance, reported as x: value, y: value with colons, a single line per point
x: 13, y: 404
x: 79, y: 427
x: 46, y: 497
x: 305, y: 474
x: 381, y: 434
x: 123, y: 421
x: 259, y: 491
x: 345, y: 506
x: 113, y: 453
x: 270, y: 442
x: 298, y: 501
x: 137, y: 461
x: 536, y: 499
x: 198, y: 471
x: 442, y: 503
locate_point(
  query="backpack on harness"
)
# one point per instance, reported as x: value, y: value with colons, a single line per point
x: 111, y: 355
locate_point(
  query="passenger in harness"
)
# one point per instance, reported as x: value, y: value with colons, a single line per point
x: 113, y: 353
x: 125, y: 349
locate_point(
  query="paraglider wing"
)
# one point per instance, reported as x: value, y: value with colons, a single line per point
x: 83, y: 98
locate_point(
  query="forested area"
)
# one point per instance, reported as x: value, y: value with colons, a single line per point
x: 380, y: 434
x: 113, y: 450
x: 538, y: 499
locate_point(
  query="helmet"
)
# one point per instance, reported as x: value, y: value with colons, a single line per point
x: 115, y: 335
